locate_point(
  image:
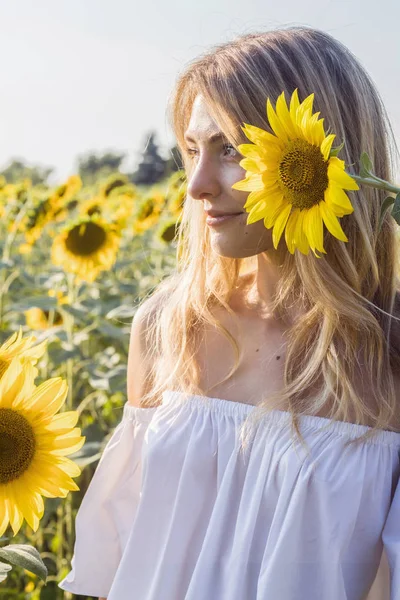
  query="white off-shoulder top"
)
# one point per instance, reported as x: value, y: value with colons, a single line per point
x: 175, y: 512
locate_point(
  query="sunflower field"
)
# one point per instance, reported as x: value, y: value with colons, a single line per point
x: 76, y: 261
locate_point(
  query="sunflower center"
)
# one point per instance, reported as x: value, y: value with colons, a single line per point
x: 61, y: 190
x: 17, y: 445
x: 303, y: 174
x: 3, y: 367
x: 113, y: 185
x: 146, y: 210
x: 85, y: 239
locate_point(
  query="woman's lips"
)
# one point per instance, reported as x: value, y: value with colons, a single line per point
x: 222, y: 219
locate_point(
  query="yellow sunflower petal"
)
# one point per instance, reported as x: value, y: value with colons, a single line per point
x: 261, y: 137
x: 290, y: 231
x: 36, y: 351
x: 280, y: 225
x: 275, y: 207
x: 304, y: 109
x: 277, y: 127
x: 294, y: 105
x: 319, y: 132
x: 70, y: 468
x: 67, y: 443
x: 266, y: 194
x: 331, y: 222
x: 3, y: 512
x: 252, y: 183
x: 262, y: 152
x: 27, y: 505
x: 257, y: 212
x: 255, y: 165
x: 251, y: 151
x: 338, y: 200
x: 64, y: 420
x: 339, y: 176
x: 284, y: 117
x: 15, y: 337
x: 11, y: 383
x: 302, y: 241
x: 309, y: 126
x: 16, y: 515
x: 49, y: 396
x: 326, y: 145
x: 313, y: 228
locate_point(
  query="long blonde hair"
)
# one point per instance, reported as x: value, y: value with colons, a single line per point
x: 350, y: 296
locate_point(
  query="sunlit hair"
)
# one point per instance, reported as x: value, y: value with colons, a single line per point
x: 350, y: 296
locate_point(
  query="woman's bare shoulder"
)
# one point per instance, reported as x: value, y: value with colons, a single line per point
x: 140, y: 355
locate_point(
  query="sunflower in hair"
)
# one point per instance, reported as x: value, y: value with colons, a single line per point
x: 296, y: 181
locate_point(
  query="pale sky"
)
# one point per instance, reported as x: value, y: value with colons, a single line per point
x: 95, y: 75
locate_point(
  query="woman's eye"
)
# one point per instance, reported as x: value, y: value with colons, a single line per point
x: 231, y: 147
x: 193, y: 152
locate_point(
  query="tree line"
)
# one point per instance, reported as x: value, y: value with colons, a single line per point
x: 151, y: 168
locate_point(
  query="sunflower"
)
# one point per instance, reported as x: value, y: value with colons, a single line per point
x: 91, y: 206
x: 295, y: 178
x: 86, y: 246
x: 39, y: 319
x: 37, y: 217
x: 16, y: 346
x: 113, y: 182
x: 34, y: 443
x: 168, y: 230
x: 148, y: 212
x: 63, y: 193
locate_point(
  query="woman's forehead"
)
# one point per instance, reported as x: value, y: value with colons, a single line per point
x: 201, y: 123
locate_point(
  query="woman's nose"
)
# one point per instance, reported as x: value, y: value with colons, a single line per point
x: 203, y: 181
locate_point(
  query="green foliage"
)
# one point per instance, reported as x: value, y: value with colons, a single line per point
x: 22, y: 556
x: 92, y: 167
x: 366, y: 165
x: 396, y: 209
x: 18, y: 170
x: 89, y: 349
x: 335, y: 151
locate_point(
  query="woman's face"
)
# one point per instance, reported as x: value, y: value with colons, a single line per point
x: 215, y: 168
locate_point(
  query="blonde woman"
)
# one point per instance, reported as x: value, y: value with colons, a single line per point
x: 204, y: 491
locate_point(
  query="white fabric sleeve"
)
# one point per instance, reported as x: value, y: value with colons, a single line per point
x: 391, y: 541
x: 108, y: 508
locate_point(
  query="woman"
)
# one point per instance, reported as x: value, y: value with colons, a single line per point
x: 258, y: 338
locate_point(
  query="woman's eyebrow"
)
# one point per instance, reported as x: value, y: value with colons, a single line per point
x: 213, y: 138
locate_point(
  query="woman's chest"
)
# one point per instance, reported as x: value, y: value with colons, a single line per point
x: 261, y: 367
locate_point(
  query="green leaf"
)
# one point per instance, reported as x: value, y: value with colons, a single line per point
x: 385, y: 205
x: 396, y: 209
x: 122, y: 311
x: 26, y: 557
x: 4, y: 569
x: 43, y: 302
x: 366, y: 165
x: 335, y: 151
x: 112, y: 331
x: 78, y: 311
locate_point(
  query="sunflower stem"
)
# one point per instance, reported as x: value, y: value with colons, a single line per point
x: 376, y: 182
x: 67, y: 505
x: 10, y: 237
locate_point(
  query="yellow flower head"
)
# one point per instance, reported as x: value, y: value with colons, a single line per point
x: 86, y: 246
x: 295, y: 179
x: 16, y: 346
x: 34, y: 444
